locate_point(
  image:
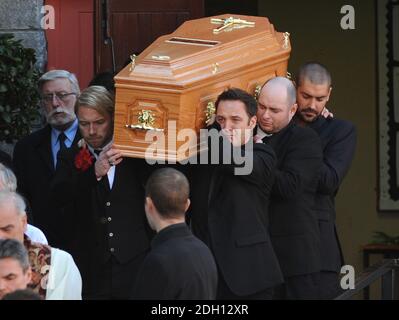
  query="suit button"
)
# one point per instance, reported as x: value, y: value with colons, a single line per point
x: 112, y: 249
x: 108, y: 204
x: 109, y: 219
x: 111, y: 234
x: 103, y: 220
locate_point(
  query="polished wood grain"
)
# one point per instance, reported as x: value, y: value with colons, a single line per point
x: 180, y: 87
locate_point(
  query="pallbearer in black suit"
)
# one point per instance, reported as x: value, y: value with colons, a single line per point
x: 293, y: 221
x: 35, y: 156
x: 338, y: 139
x: 111, y: 235
x: 179, y: 265
x: 230, y: 210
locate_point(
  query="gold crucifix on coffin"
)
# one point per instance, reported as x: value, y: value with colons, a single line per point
x: 230, y: 24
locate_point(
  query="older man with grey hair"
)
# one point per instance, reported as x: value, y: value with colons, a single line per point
x: 35, y: 156
x: 54, y: 272
x: 293, y: 222
x: 8, y: 182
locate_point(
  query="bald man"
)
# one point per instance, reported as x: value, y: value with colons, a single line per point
x: 293, y: 222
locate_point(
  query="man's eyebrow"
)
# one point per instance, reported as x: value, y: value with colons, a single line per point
x: 7, y: 226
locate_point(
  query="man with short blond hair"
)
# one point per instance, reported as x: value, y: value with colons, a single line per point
x: 110, y: 229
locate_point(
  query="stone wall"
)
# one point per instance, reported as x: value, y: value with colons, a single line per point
x: 22, y: 18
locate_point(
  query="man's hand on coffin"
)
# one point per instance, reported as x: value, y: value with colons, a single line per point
x: 108, y: 157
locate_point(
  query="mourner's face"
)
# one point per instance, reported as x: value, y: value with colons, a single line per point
x: 234, y: 121
x: 12, y: 224
x: 12, y: 276
x: 58, y: 100
x: 311, y: 99
x: 274, y: 112
x: 95, y: 128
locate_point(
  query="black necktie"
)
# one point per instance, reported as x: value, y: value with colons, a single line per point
x: 61, y: 138
x: 97, y: 151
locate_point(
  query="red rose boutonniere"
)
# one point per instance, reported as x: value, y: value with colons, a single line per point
x: 83, y: 159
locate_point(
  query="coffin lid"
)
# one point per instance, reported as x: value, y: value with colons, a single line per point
x: 189, y: 54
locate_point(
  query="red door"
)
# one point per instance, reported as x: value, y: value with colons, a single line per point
x: 70, y: 45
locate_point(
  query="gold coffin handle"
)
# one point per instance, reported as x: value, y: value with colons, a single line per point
x: 210, y: 112
x: 257, y: 90
x: 145, y: 121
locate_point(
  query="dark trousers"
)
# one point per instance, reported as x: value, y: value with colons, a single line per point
x: 224, y: 292
x: 330, y: 286
x: 301, y: 287
x: 113, y: 280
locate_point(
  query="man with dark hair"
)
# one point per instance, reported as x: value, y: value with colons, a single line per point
x: 15, y: 271
x: 179, y: 266
x: 338, y: 138
x: 230, y: 210
x: 293, y: 222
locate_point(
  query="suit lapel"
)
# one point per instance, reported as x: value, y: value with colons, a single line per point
x: 215, y: 184
x: 44, y: 149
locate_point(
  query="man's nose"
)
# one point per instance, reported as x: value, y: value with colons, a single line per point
x: 266, y: 114
x: 2, y: 286
x: 92, y: 130
x: 228, y: 125
x: 55, y: 102
x: 312, y: 104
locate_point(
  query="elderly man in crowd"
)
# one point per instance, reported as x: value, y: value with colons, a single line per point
x: 54, y: 273
x: 35, y: 156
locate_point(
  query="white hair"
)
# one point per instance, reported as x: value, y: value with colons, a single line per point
x: 8, y: 181
x: 57, y: 74
x: 15, y: 199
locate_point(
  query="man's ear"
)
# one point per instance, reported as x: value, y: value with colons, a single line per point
x: 149, y: 203
x: 329, y: 93
x: 292, y: 111
x: 187, y: 205
x: 252, y: 122
x: 24, y: 219
x: 28, y: 275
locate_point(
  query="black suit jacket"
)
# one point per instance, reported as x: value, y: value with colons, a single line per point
x: 34, y: 168
x: 294, y: 225
x: 106, y: 222
x: 236, y: 224
x: 178, y: 267
x: 338, y: 138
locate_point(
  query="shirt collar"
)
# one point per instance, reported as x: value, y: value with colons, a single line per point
x: 91, y: 149
x: 69, y: 133
x: 261, y: 133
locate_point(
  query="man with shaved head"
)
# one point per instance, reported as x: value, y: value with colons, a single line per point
x: 338, y: 139
x: 293, y: 222
x: 179, y: 266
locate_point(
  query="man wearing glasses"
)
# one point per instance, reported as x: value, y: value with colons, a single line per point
x: 35, y: 156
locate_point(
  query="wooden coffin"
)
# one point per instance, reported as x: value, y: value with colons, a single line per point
x: 173, y: 84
